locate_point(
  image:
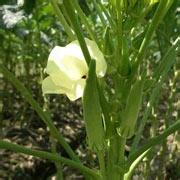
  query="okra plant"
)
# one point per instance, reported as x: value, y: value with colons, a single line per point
x: 108, y: 72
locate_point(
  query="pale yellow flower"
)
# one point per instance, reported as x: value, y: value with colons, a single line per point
x: 67, y: 69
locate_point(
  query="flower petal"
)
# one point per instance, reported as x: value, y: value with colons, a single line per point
x: 77, y: 91
x: 65, y: 60
x: 74, y: 50
x: 57, y: 54
x: 74, y: 67
x: 67, y: 69
x: 49, y: 87
x: 57, y: 76
x: 97, y: 55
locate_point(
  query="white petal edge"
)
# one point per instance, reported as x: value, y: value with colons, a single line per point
x: 95, y: 53
x: 77, y: 91
x: 49, y: 87
x: 63, y: 60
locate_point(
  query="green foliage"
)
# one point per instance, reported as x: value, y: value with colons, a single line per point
x: 138, y: 39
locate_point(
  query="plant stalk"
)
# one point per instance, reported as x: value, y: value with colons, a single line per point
x: 77, y: 28
x: 162, y: 9
x: 46, y: 155
x: 62, y: 20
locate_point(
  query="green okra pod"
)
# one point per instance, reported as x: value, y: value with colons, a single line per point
x: 125, y: 63
x: 108, y: 43
x: 130, y: 114
x: 92, y: 111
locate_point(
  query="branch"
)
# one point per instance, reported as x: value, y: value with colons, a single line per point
x: 46, y: 155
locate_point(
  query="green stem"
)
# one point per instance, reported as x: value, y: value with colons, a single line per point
x: 158, y: 16
x: 43, y: 115
x: 104, y: 23
x: 128, y: 175
x: 168, y: 5
x: 113, y: 153
x: 121, y: 158
x: 65, y: 14
x: 119, y: 32
x: 59, y: 173
x: 153, y: 142
x: 110, y: 19
x: 62, y: 20
x: 153, y: 132
x: 100, y: 155
x: 122, y: 143
x: 164, y: 67
x: 164, y: 149
x: 162, y: 161
x: 77, y: 28
x: 85, y: 21
x: 49, y: 156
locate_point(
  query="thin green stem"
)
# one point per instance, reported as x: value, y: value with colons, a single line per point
x: 109, y: 18
x: 62, y: 20
x: 59, y: 173
x: 100, y: 14
x: 77, y: 28
x: 153, y: 142
x: 162, y: 9
x: 85, y: 21
x: 100, y: 155
x: 46, y: 155
x: 43, y: 115
x: 162, y: 161
x: 65, y: 14
x: 128, y: 175
x: 121, y: 158
x: 119, y: 32
x: 168, y: 5
x: 167, y: 62
x: 164, y: 149
x: 122, y: 143
x: 153, y: 131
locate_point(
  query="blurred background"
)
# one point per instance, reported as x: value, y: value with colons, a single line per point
x: 29, y: 30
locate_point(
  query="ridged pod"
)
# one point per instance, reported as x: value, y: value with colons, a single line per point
x: 92, y: 111
x: 108, y: 43
x: 130, y: 114
x: 125, y: 64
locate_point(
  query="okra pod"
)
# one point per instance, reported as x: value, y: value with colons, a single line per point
x: 92, y: 111
x: 130, y: 114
